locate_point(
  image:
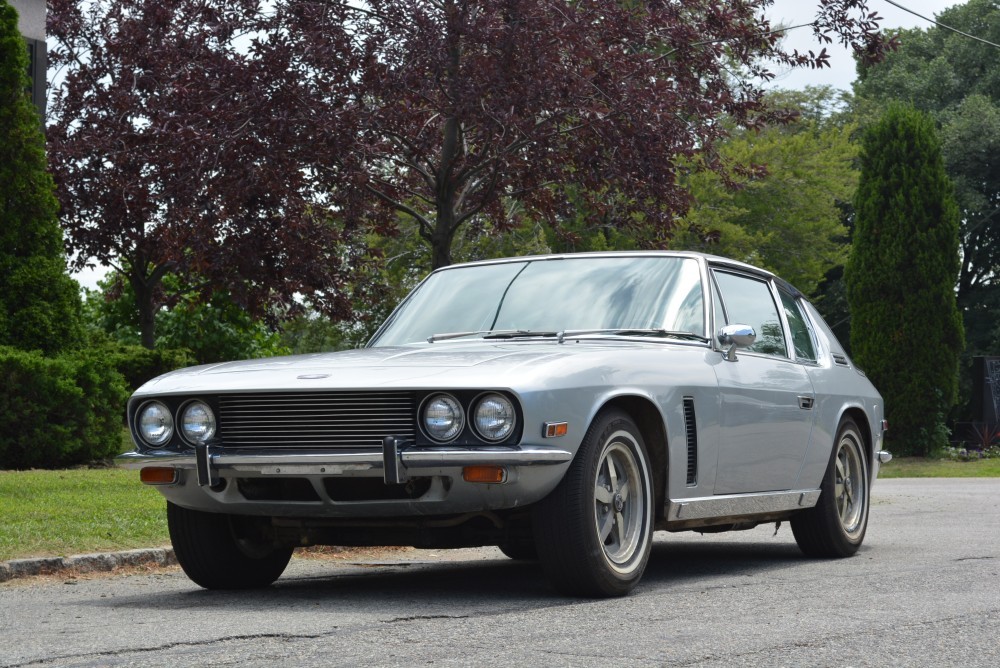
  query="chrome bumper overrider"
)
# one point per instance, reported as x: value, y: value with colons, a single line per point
x: 394, y: 461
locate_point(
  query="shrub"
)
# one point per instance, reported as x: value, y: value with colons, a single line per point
x: 138, y: 365
x: 58, y: 411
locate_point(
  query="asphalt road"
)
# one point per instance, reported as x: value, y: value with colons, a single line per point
x: 923, y: 591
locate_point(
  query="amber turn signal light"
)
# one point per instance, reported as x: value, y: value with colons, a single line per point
x: 158, y: 475
x: 556, y: 429
x: 487, y: 474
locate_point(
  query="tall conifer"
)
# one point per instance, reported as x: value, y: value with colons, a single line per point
x: 39, y: 302
x: 906, y: 331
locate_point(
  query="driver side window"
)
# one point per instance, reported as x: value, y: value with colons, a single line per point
x: 748, y: 301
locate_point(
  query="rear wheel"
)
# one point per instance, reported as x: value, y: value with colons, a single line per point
x: 595, y: 530
x: 836, y: 526
x: 219, y: 551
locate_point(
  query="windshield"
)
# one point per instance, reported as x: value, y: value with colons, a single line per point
x: 553, y: 295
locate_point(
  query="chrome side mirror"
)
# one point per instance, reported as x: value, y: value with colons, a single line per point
x: 735, y: 336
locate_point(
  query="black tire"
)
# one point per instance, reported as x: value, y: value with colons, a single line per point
x: 520, y: 550
x: 219, y: 551
x: 836, y: 526
x: 595, y: 530
x: 519, y: 539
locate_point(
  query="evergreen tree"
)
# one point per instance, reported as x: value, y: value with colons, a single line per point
x: 39, y: 302
x: 906, y: 331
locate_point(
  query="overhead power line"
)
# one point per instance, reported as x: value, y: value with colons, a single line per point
x: 941, y: 25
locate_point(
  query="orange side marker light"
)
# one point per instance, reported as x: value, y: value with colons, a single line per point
x: 555, y: 429
x: 158, y: 475
x: 489, y: 474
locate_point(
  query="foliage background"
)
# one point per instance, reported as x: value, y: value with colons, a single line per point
x: 39, y: 302
x: 906, y: 330
x: 956, y: 80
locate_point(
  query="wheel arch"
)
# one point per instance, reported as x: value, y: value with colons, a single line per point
x: 861, y: 419
x: 648, y: 419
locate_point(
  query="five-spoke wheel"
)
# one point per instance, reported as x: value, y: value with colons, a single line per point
x: 835, y: 527
x: 618, y: 512
x: 594, y: 532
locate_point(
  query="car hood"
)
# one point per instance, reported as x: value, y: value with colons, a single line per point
x: 454, y: 365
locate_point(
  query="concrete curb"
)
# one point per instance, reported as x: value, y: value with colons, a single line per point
x: 86, y: 563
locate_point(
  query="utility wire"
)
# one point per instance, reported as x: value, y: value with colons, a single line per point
x: 941, y: 25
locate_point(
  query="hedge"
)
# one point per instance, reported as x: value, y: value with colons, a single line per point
x: 58, y: 411
x: 138, y: 364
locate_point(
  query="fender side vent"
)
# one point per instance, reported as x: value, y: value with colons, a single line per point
x: 840, y: 360
x: 691, y: 426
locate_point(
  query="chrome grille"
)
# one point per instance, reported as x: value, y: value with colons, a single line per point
x: 315, y: 419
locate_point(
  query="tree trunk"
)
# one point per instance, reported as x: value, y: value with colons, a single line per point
x: 451, y: 142
x: 442, y: 236
x: 144, y: 290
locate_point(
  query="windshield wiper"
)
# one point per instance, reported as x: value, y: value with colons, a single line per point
x: 526, y: 333
x: 520, y: 333
x: 454, y: 335
x: 664, y: 333
x: 489, y: 334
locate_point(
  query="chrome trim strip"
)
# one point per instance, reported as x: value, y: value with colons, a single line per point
x: 725, y: 505
x: 338, y: 461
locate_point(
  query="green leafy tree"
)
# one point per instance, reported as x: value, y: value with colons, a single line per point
x: 39, y: 302
x: 213, y: 329
x: 957, y: 80
x: 784, y: 213
x: 906, y: 331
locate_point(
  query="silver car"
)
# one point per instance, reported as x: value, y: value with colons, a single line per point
x: 560, y: 407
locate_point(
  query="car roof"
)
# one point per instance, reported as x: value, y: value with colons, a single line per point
x: 715, y: 260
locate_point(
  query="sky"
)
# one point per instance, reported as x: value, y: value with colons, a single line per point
x: 789, y: 12
x: 841, y: 73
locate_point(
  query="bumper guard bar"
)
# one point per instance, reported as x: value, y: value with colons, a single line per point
x: 395, y: 459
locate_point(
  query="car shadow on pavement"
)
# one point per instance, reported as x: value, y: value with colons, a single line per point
x: 475, y: 586
x: 676, y: 562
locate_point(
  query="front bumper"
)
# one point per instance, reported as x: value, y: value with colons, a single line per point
x: 409, y: 460
x: 203, y: 477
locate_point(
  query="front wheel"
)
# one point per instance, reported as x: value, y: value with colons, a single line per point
x: 836, y: 526
x: 219, y: 551
x: 595, y: 530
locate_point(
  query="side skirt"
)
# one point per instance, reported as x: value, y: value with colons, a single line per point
x: 735, y: 508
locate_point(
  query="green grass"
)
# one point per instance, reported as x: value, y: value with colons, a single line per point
x: 920, y: 467
x: 77, y: 511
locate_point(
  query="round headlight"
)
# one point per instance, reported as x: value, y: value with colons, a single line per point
x: 443, y: 417
x: 155, y: 424
x: 494, y: 417
x: 197, y: 422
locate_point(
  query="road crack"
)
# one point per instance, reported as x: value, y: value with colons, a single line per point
x: 420, y: 618
x: 168, y: 646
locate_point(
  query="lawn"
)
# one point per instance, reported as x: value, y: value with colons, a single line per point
x: 61, y: 513
x: 920, y: 467
x: 67, y: 512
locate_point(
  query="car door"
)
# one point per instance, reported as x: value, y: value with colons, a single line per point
x: 766, y: 395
